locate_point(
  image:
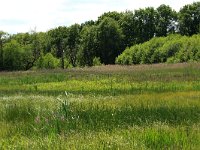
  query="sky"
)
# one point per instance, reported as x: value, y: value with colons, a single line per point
x: 41, y: 15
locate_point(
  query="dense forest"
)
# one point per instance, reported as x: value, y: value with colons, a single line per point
x: 147, y: 35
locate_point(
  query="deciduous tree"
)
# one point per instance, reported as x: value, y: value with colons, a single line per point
x: 109, y: 39
x: 189, y: 19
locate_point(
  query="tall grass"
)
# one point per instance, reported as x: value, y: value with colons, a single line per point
x: 141, y: 107
x: 127, y: 80
x: 152, y: 121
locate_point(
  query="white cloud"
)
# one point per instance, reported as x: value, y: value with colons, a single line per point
x: 23, y: 15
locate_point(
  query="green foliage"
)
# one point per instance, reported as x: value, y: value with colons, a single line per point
x: 96, y: 61
x: 127, y: 24
x: 57, y: 37
x: 174, y: 48
x: 72, y: 44
x: 189, y: 19
x: 145, y: 20
x: 13, y: 56
x: 109, y: 39
x: 109, y: 36
x: 88, y: 45
x: 32, y: 45
x: 2, y: 42
x: 67, y: 64
x: 111, y: 14
x: 48, y: 62
x: 166, y: 19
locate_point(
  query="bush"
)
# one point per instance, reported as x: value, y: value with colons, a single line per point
x: 13, y: 56
x: 125, y: 58
x: 48, y: 62
x: 96, y: 61
x: 67, y: 64
x: 171, y: 49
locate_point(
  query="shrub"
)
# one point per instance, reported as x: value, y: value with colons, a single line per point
x: 96, y: 61
x: 48, y: 62
x: 13, y: 56
x: 171, y: 49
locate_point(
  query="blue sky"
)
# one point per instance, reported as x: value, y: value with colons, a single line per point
x: 25, y: 15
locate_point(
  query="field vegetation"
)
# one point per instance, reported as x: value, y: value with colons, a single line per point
x: 93, y: 102
x: 106, y: 107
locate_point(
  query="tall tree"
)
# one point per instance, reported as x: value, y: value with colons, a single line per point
x: 31, y: 44
x: 145, y: 24
x: 3, y: 37
x: 58, y: 38
x: 111, y: 14
x: 87, y: 23
x: 34, y: 49
x: 45, y: 42
x: 127, y: 24
x: 73, y: 41
x: 189, y: 19
x: 109, y: 40
x: 165, y: 21
x: 88, y: 45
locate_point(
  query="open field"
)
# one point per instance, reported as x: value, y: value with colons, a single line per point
x: 106, y: 107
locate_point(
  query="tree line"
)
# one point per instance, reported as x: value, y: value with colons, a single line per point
x: 96, y: 42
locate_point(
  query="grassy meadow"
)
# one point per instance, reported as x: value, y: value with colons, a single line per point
x: 105, y: 107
